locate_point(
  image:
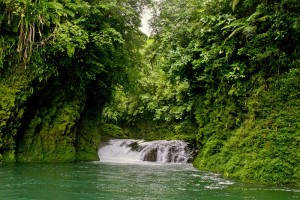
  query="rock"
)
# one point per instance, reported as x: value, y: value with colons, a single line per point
x: 134, y: 146
x: 151, y: 155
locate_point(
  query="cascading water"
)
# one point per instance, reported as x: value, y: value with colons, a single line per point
x: 163, y: 151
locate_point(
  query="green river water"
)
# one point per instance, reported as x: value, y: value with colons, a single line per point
x: 95, y: 180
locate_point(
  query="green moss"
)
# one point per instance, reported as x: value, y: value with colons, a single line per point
x: 45, y: 125
x: 87, y: 145
x: 265, y: 147
x: 8, y: 156
x: 51, y: 131
x: 88, y: 135
x: 15, y: 89
x: 109, y: 131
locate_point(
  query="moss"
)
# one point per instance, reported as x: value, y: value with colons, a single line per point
x: 109, y: 131
x: 88, y: 141
x: 15, y: 89
x: 265, y: 147
x: 48, y: 141
x: 9, y: 156
x: 10, y: 112
x: 88, y: 137
x: 51, y: 128
x: 40, y: 122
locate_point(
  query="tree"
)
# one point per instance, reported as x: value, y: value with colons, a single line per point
x: 237, y: 58
x: 59, y: 63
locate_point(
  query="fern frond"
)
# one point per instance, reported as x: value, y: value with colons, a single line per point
x: 234, y: 4
x: 248, y: 30
x: 253, y: 16
x: 236, y: 31
x: 264, y: 18
x: 235, y: 24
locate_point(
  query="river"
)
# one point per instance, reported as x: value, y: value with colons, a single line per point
x: 133, y: 180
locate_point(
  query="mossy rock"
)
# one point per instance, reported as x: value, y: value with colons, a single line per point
x: 111, y: 131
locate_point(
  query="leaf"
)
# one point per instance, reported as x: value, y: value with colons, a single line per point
x: 248, y: 30
x: 234, y: 24
x: 236, y: 31
x: 253, y: 16
x: 234, y: 4
x: 264, y: 18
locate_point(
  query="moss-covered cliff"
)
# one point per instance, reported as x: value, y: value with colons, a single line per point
x: 50, y: 124
x: 14, y: 90
x: 59, y: 61
x: 48, y: 131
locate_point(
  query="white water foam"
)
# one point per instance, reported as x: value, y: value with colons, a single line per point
x: 128, y: 151
x: 118, y: 151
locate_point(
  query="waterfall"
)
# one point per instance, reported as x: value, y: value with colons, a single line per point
x: 126, y: 150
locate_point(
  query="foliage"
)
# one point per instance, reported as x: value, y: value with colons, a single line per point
x: 71, y: 51
x: 223, y: 74
x: 241, y: 61
x: 233, y: 68
x: 109, y: 131
x: 264, y: 147
x: 155, y: 98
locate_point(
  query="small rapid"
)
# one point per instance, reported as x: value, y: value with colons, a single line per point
x: 162, y: 151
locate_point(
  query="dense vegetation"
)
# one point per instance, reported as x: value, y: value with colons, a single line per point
x: 222, y: 74
x: 59, y: 61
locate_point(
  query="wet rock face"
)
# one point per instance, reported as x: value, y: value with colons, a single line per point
x: 151, y: 156
x: 134, y: 146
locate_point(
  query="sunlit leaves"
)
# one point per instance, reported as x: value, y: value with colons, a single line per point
x: 107, y: 37
x: 68, y: 37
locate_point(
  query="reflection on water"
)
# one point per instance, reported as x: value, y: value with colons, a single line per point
x: 127, y: 181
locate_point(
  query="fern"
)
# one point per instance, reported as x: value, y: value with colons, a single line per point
x: 235, y: 32
x: 235, y: 4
